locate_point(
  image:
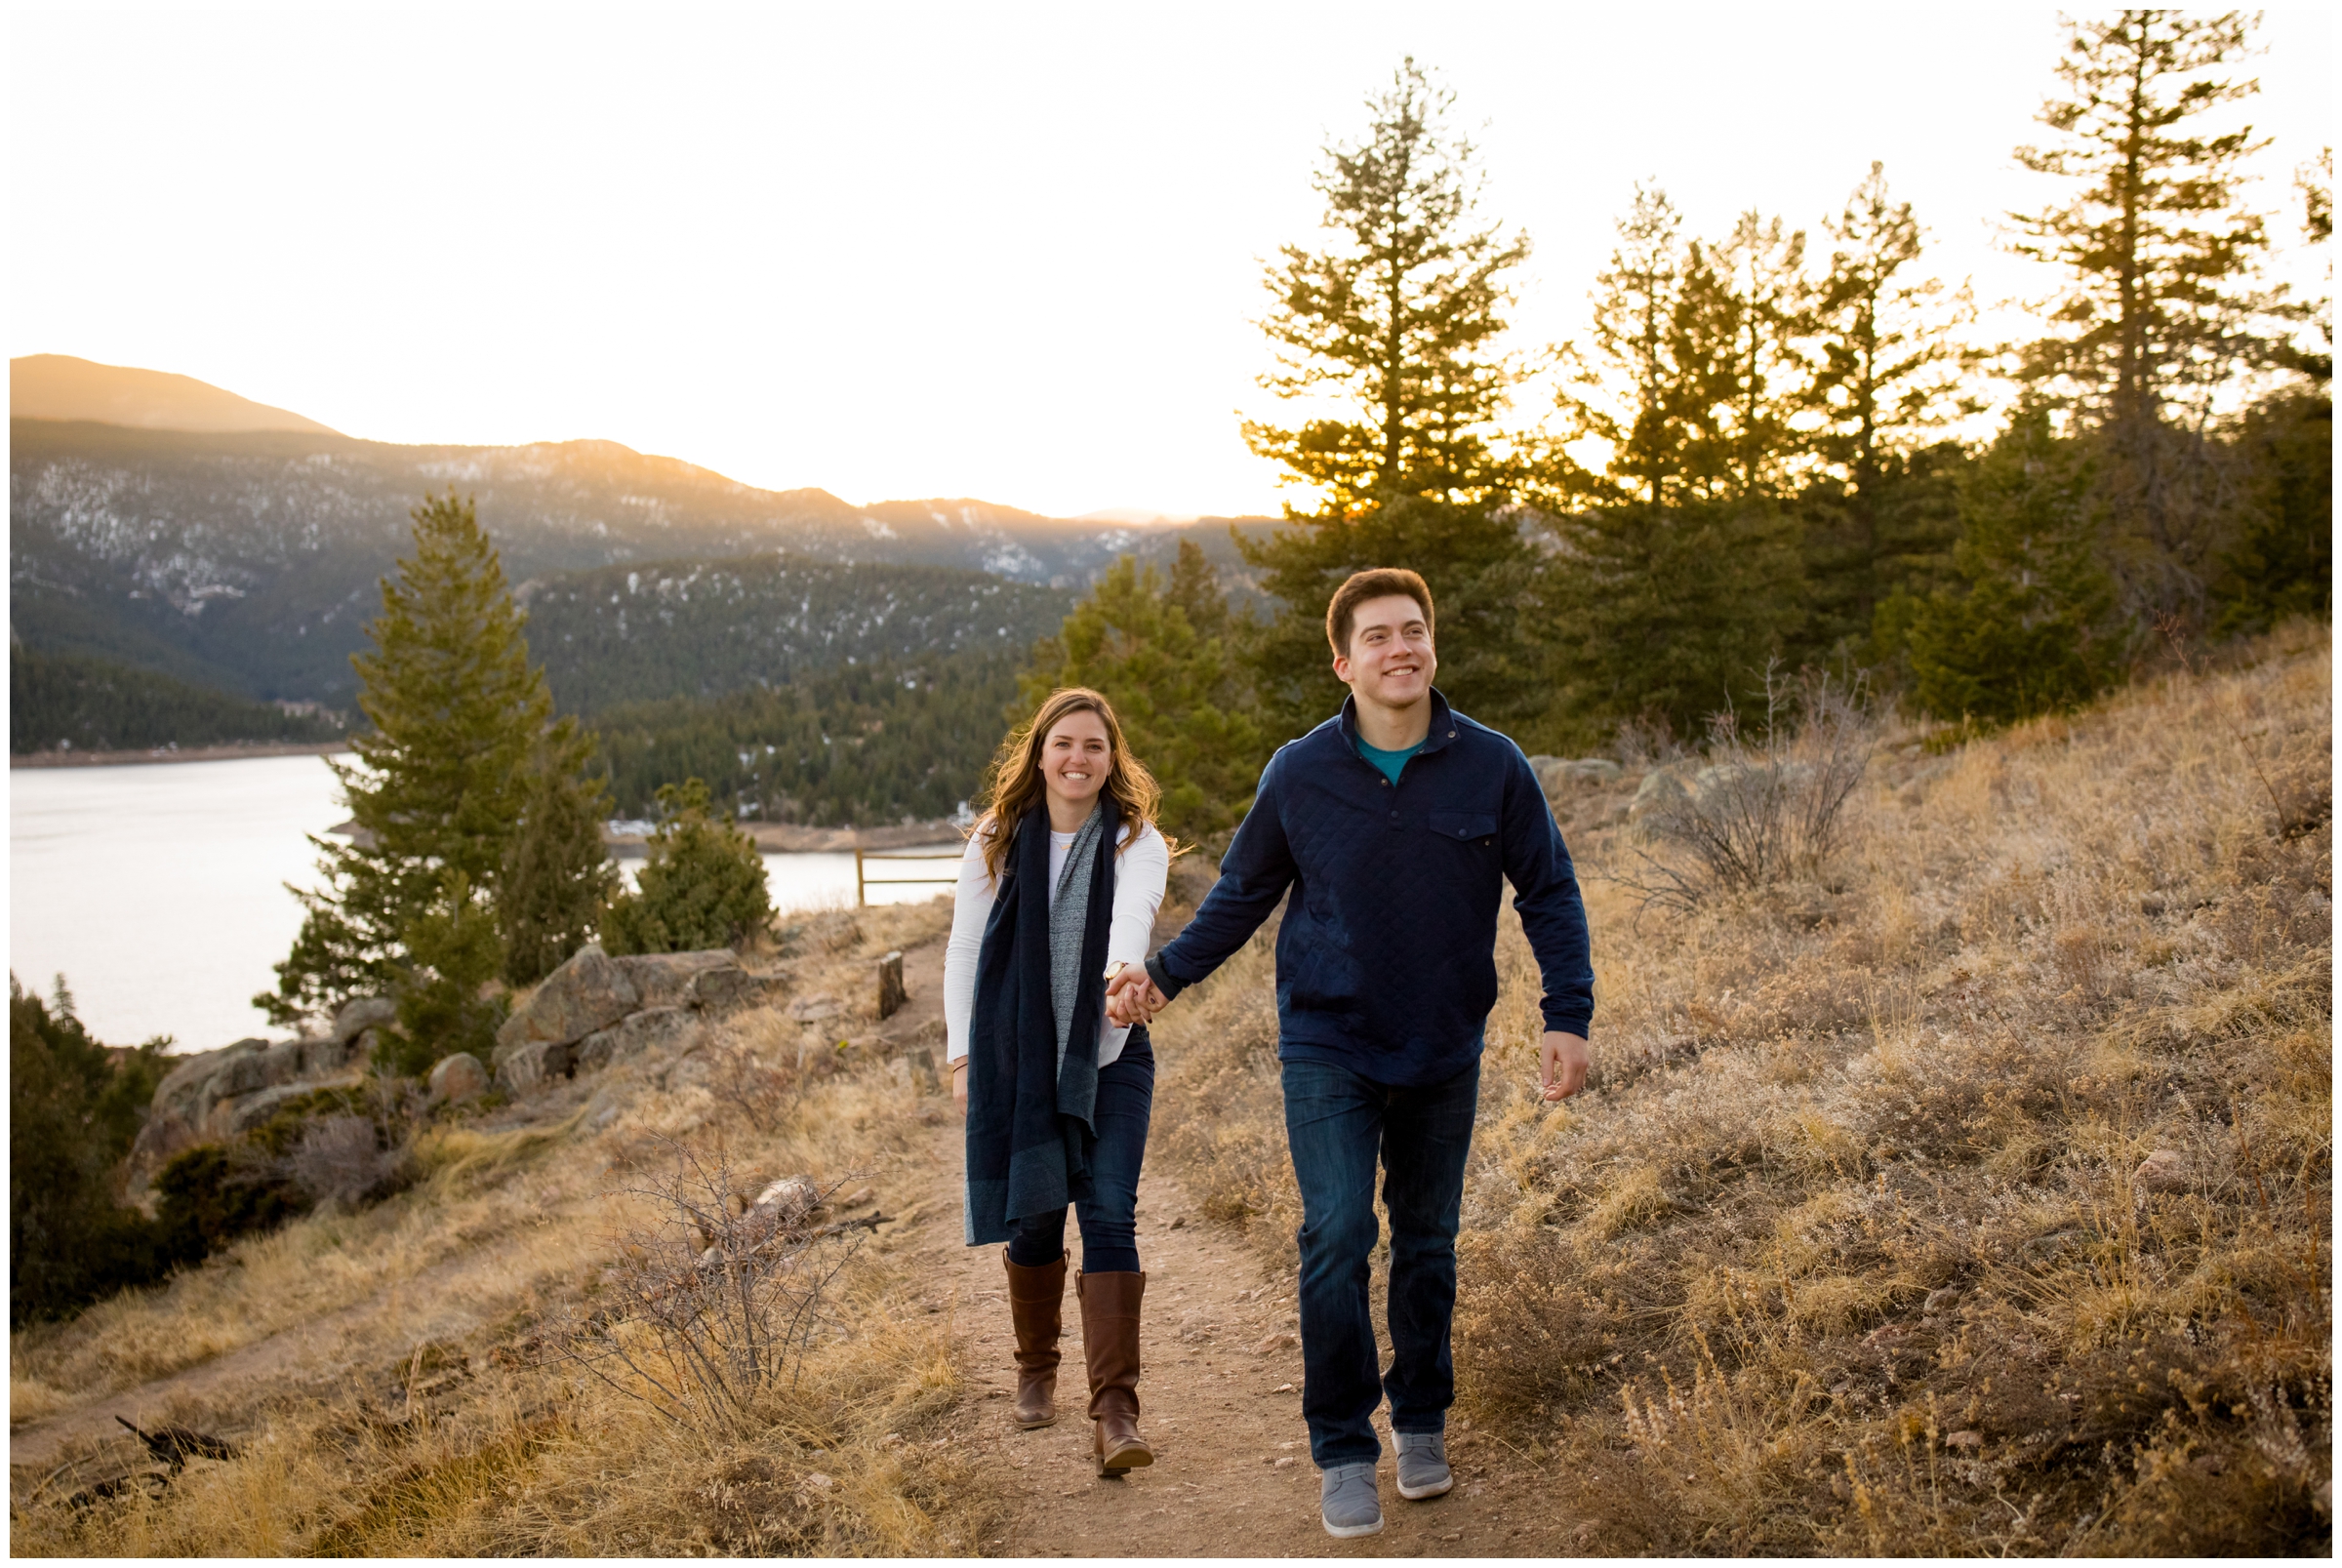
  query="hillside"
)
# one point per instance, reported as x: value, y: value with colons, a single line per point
x: 60, y: 387
x: 702, y: 628
x: 1974, y: 1198
x: 64, y: 703
x: 247, y: 561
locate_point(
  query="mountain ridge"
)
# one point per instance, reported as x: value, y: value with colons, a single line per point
x: 64, y: 386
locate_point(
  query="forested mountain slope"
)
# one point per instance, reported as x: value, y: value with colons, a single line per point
x: 703, y: 628
x: 247, y: 561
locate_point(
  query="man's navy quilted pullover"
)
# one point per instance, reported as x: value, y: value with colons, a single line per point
x: 1385, y: 963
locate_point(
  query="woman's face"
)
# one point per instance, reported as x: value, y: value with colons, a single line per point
x: 1075, y: 758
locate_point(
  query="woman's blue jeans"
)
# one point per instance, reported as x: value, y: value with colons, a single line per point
x: 1109, y: 1219
x: 1341, y: 1126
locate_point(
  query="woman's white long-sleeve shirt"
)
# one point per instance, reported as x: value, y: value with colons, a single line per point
x: 1144, y: 862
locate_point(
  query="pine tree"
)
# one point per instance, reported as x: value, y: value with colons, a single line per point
x: 1667, y: 614
x: 2034, y: 629
x: 1740, y: 328
x: 1629, y: 393
x: 556, y: 878
x: 1398, y: 324
x: 438, y: 785
x: 700, y: 887
x: 1398, y: 321
x: 74, y: 1111
x: 1887, y: 377
x: 2162, y: 308
x: 1181, y: 692
x: 446, y: 1000
x: 1677, y: 576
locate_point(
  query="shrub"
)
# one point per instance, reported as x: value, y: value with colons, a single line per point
x: 1765, y: 808
x: 212, y: 1193
x: 75, y: 1108
x: 702, y: 885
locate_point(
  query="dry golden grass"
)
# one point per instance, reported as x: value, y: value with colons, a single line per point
x: 426, y: 1417
x: 1848, y: 1247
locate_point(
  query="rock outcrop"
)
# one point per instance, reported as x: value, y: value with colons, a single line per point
x: 596, y: 1010
x: 216, y: 1094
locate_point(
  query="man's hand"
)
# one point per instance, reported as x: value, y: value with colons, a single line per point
x: 1562, y: 1066
x: 1131, y: 998
x: 959, y: 1085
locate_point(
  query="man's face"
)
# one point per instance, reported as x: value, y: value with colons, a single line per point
x: 1390, y: 660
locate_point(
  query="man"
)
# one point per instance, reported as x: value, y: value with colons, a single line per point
x: 1391, y: 826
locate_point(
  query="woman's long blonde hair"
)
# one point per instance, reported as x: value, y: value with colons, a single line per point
x: 1013, y: 782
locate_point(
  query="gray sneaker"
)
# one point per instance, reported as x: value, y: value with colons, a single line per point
x: 1423, y: 1465
x: 1348, y: 1502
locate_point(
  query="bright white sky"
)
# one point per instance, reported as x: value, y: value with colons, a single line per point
x: 1008, y: 252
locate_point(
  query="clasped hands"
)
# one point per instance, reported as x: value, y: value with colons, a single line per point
x: 1132, y: 997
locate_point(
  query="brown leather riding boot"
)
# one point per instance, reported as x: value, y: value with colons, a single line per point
x: 1036, y: 1299
x: 1109, y: 1339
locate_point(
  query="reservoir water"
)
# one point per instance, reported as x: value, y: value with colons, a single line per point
x: 158, y: 890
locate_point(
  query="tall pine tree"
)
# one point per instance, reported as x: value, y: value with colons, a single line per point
x: 440, y: 783
x: 1881, y: 516
x: 2162, y: 306
x: 1678, y: 575
x: 1395, y: 330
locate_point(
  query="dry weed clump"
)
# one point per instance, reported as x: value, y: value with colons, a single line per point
x: 428, y: 1430
x: 1972, y: 1195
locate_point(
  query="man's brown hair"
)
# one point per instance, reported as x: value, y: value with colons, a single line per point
x: 1342, y: 611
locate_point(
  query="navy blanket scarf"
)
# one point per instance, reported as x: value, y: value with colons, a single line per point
x: 1029, y: 1121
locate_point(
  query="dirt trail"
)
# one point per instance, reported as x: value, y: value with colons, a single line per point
x: 1220, y: 1404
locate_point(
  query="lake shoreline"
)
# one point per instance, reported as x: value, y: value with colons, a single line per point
x: 195, y: 753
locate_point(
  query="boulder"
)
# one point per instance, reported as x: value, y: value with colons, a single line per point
x: 231, y: 1118
x: 588, y: 992
x: 185, y: 1090
x: 664, y: 978
x: 533, y: 1064
x: 652, y: 1028
x: 458, y: 1077
x: 1660, y: 790
x: 360, y: 1014
x: 1556, y: 774
x: 723, y: 990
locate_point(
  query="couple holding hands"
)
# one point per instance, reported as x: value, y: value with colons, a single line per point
x: 1390, y: 826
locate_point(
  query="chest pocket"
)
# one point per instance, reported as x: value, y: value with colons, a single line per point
x: 1463, y: 826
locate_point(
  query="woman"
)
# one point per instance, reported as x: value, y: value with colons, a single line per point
x: 1058, y: 888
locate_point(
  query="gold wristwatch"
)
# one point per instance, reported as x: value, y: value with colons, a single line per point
x: 1112, y: 970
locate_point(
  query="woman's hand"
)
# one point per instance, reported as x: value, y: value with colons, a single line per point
x: 959, y: 1085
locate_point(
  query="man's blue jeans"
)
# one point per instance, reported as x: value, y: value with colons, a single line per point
x: 1340, y: 1126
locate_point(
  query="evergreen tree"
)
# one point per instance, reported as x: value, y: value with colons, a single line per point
x: 1678, y: 575
x: 556, y: 877
x: 2034, y: 629
x: 1398, y: 324
x: 75, y: 1109
x: 1887, y: 377
x: 2163, y: 307
x: 1631, y: 393
x: 440, y: 781
x: 701, y: 886
x: 1667, y: 614
x: 1398, y: 320
x: 447, y: 999
x: 1739, y: 328
x: 1181, y: 692
x: 2282, y: 563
